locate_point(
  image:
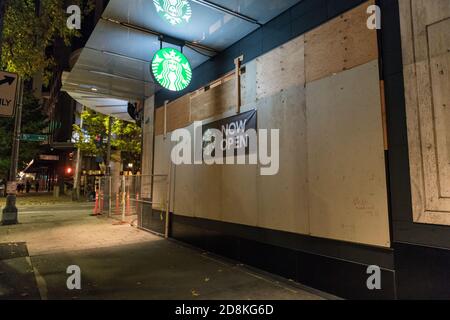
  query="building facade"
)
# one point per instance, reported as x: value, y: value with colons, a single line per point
x: 361, y: 110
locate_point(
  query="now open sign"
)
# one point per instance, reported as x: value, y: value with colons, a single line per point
x: 8, y: 88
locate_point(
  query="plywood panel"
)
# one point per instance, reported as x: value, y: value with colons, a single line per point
x: 340, y: 44
x: 283, y: 198
x: 208, y: 192
x: 213, y: 102
x: 178, y: 115
x: 281, y: 68
x: 161, y: 167
x: 239, y: 200
x: 346, y: 167
x: 184, y: 188
x: 426, y: 44
x: 159, y: 121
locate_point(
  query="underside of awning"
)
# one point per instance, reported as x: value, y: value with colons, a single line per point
x: 114, y: 66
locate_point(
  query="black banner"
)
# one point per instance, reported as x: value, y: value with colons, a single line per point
x: 234, y: 136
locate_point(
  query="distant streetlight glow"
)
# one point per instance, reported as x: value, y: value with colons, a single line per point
x: 171, y: 69
x: 174, y: 12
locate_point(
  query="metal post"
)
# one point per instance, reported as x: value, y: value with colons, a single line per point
x: 10, y: 212
x: 165, y: 118
x: 109, y: 195
x: 17, y: 133
x: 166, y: 231
x: 123, y: 198
x: 76, y: 183
x: 238, y: 62
x: 108, y: 154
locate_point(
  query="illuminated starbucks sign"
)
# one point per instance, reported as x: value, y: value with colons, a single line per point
x: 171, y: 69
x: 174, y: 12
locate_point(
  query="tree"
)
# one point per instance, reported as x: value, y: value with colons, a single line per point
x: 127, y: 138
x: 33, y: 121
x: 2, y: 18
x: 29, y: 30
x: 92, y: 138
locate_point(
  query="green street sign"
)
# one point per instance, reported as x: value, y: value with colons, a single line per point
x: 171, y: 69
x: 33, y: 137
x: 174, y: 12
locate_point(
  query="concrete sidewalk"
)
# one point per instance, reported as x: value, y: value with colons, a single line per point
x: 118, y: 262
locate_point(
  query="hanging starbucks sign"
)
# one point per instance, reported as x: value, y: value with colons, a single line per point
x: 174, y: 12
x: 171, y: 69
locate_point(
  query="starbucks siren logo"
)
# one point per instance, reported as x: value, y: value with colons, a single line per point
x: 174, y: 11
x: 171, y: 69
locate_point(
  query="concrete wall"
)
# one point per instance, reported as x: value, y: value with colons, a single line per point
x: 426, y: 59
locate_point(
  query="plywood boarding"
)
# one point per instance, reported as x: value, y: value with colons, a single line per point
x: 159, y: 121
x: 162, y: 164
x: 239, y: 199
x: 340, y: 44
x: 283, y: 198
x: 184, y: 188
x: 281, y: 69
x: 426, y: 44
x: 208, y: 192
x: 346, y: 166
x: 339, y: 210
x: 178, y: 115
x: 214, y: 101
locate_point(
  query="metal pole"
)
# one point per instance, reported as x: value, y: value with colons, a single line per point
x: 108, y: 150
x: 76, y: 184
x: 10, y: 212
x: 166, y: 231
x: 123, y: 198
x: 238, y: 62
x: 17, y: 133
x: 109, y: 195
x: 165, y: 118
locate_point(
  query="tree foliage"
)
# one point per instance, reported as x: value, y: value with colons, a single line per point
x: 91, y: 138
x: 33, y: 121
x: 28, y: 31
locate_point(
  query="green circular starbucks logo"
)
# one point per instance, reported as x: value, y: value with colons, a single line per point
x: 174, y: 11
x: 171, y: 69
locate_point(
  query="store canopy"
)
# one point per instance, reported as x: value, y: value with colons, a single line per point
x: 114, y: 66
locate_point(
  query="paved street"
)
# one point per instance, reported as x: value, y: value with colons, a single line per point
x: 118, y: 262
